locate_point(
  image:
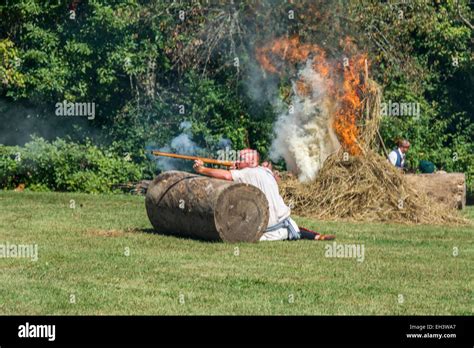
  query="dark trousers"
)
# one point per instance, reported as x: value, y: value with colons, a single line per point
x: 306, y: 234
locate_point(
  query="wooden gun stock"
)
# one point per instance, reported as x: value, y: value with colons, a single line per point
x: 193, y: 158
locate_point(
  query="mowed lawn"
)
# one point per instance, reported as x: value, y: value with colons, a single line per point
x: 83, y: 267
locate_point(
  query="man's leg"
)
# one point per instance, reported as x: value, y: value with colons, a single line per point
x: 308, y: 234
x: 280, y: 234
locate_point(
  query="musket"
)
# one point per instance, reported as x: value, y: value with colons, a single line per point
x: 193, y: 158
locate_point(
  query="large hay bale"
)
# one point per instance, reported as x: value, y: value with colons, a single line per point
x: 446, y: 188
x: 363, y: 188
x: 195, y: 206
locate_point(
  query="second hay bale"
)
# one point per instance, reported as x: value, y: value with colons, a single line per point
x: 446, y: 188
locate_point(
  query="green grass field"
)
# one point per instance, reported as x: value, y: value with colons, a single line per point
x: 83, y: 256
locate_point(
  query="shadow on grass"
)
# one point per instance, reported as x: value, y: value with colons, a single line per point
x: 171, y: 235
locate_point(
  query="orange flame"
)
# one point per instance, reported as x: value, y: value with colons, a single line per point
x: 345, y: 83
x: 350, y: 105
x: 291, y: 50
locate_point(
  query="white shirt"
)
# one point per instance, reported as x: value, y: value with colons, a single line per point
x: 392, y: 157
x: 263, y: 179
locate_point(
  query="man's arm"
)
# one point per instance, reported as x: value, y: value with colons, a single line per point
x: 276, y: 173
x: 214, y: 173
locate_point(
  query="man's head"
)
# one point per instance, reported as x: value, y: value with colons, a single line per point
x: 247, y: 158
x: 404, y: 145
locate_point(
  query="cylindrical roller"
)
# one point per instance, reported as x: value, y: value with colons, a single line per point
x: 195, y: 206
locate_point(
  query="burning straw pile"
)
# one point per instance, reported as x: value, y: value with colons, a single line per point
x: 355, y: 182
x: 330, y: 140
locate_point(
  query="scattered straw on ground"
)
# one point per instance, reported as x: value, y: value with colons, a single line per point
x: 363, y: 188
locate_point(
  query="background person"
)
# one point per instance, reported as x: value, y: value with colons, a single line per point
x: 397, y: 156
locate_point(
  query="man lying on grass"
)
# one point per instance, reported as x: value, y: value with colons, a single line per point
x: 247, y: 171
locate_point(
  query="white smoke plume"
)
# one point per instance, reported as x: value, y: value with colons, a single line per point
x: 304, y: 135
x: 181, y: 144
x: 224, y: 143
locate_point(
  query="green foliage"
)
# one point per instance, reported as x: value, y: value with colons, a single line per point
x: 421, y: 53
x: 215, y: 112
x: 64, y: 166
x: 147, y: 70
x: 9, y: 63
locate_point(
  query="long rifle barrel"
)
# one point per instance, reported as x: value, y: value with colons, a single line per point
x: 186, y: 157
